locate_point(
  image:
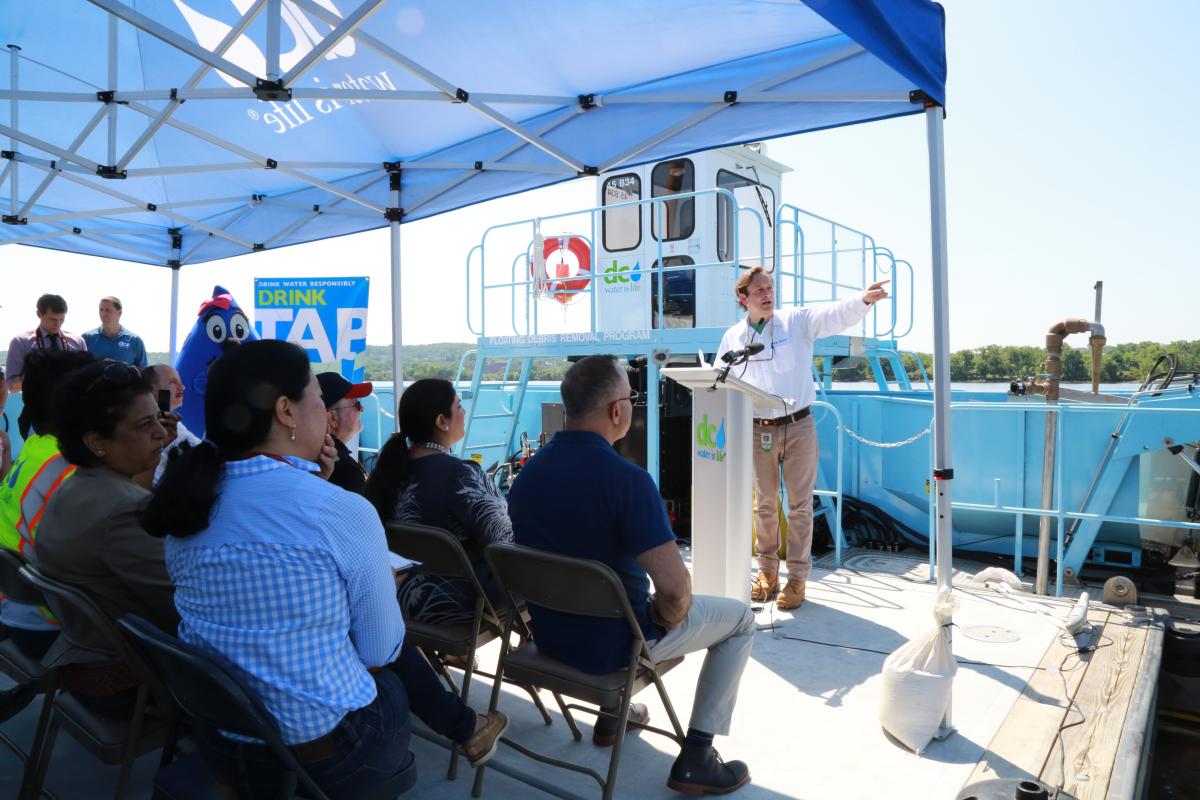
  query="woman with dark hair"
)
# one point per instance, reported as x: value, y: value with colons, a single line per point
x: 286, y: 578
x: 423, y: 483
x: 110, y: 428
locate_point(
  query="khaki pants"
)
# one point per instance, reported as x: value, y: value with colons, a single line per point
x: 793, y: 454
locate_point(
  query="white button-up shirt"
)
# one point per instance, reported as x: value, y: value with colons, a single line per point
x: 784, y: 367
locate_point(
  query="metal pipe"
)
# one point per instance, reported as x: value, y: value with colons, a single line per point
x: 1044, y: 522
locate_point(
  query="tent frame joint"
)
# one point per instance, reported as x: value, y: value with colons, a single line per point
x: 462, y: 95
x: 270, y: 164
x: 9, y: 154
x: 257, y: 246
x: 176, y: 235
x: 589, y: 170
x: 729, y: 97
x: 943, y: 474
x: 108, y: 97
x: 110, y: 172
x: 173, y: 263
x: 13, y: 219
x: 265, y: 90
x: 587, y: 102
x: 393, y: 214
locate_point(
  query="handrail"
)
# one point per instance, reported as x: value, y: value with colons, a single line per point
x: 471, y: 327
x: 920, y: 366
x: 837, y: 492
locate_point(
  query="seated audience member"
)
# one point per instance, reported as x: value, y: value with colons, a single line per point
x: 579, y: 498
x: 36, y: 475
x: 48, y: 335
x: 164, y: 377
x: 39, y: 472
x: 109, y: 427
x: 417, y: 480
x: 286, y: 578
x: 342, y: 404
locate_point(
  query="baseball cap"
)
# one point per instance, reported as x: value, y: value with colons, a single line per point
x: 334, y: 388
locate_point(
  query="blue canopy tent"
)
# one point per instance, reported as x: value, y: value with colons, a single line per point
x: 172, y: 132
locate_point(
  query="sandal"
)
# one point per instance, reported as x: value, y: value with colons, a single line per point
x: 486, y: 740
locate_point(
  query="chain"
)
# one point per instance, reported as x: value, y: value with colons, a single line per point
x: 909, y: 440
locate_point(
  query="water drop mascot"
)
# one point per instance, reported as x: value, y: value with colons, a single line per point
x: 220, y: 324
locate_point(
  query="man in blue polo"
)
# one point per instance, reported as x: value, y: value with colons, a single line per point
x: 578, y: 497
x: 111, y: 340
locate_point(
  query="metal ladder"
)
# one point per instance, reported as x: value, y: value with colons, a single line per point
x: 509, y: 388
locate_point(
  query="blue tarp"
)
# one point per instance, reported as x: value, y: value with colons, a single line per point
x: 456, y: 85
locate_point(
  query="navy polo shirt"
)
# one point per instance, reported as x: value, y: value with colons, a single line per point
x: 126, y: 347
x: 579, y: 498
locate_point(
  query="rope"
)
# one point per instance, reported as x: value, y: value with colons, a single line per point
x: 901, y: 443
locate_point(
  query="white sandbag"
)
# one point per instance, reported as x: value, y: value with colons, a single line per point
x: 917, y: 681
x: 997, y: 578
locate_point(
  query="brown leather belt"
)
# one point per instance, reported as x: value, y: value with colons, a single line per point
x: 778, y: 421
x: 316, y: 750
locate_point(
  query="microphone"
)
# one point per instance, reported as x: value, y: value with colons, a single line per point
x: 741, y: 355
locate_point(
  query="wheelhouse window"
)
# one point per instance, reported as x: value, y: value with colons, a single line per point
x: 749, y: 194
x: 622, y: 226
x: 679, y: 293
x: 678, y: 216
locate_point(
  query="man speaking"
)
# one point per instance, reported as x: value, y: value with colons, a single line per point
x: 773, y: 350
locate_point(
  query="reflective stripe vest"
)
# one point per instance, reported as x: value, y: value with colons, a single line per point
x: 34, y: 478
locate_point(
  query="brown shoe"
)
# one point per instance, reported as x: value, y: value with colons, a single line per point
x: 792, y: 595
x: 480, y: 748
x: 605, y: 732
x: 765, y: 584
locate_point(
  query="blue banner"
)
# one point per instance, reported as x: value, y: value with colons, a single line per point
x: 325, y: 316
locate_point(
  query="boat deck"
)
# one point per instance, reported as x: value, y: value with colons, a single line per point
x: 807, y: 715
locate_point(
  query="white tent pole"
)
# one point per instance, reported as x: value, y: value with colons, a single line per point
x: 112, y: 87
x: 397, y: 315
x: 174, y: 312
x: 15, y: 119
x: 273, y: 9
x: 943, y: 472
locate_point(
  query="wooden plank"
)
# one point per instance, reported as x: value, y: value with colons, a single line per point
x: 1103, y: 697
x: 1020, y: 747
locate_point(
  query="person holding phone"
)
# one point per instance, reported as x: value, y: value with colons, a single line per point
x: 168, y: 392
x: 785, y: 440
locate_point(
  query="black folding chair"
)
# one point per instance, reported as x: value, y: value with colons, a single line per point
x: 590, y: 589
x: 21, y: 668
x: 442, y: 555
x: 153, y: 724
x: 208, y: 692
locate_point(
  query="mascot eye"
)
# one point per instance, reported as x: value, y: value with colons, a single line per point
x: 239, y: 326
x: 215, y: 327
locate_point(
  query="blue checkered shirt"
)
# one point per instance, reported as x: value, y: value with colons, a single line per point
x: 290, y: 584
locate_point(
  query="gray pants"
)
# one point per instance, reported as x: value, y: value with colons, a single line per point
x: 725, y: 628
x: 793, y: 452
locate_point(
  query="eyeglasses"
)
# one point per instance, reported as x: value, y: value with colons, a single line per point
x: 117, y: 373
x: 357, y: 406
x: 634, y: 398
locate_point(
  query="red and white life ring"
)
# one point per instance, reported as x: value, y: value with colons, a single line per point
x: 557, y: 281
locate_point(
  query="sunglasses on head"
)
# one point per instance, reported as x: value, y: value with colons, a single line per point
x: 116, y: 373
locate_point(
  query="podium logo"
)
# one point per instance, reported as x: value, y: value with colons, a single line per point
x: 710, y: 440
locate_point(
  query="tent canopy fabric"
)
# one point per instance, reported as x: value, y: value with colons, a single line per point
x: 250, y: 124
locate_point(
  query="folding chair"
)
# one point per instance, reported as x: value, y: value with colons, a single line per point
x: 590, y: 589
x: 443, y: 556
x: 208, y: 692
x: 20, y: 667
x: 153, y: 724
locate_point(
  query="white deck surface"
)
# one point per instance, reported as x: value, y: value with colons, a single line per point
x: 806, y: 721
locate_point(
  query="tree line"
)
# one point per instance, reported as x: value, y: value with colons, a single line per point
x: 1123, y: 363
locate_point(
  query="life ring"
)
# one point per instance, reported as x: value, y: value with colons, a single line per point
x: 562, y: 287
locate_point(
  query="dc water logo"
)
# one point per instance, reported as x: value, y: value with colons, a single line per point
x: 710, y: 440
x: 622, y: 278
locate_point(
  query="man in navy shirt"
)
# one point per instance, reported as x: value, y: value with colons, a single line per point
x: 111, y: 340
x: 579, y: 498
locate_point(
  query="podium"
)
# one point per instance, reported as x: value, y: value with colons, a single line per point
x: 722, y: 477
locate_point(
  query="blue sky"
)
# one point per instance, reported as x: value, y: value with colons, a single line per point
x: 1071, y: 157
